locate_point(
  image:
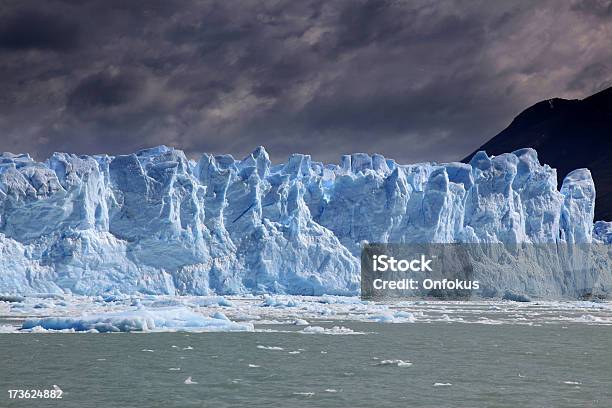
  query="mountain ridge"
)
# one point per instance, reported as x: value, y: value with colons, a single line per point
x: 567, y: 134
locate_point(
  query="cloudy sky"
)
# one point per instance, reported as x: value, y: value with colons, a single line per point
x: 409, y: 79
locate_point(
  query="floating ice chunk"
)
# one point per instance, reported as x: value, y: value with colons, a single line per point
x: 39, y: 329
x: 398, y: 363
x: 593, y: 319
x: 189, y: 381
x: 301, y: 322
x: 259, y: 346
x: 313, y: 329
x: 397, y: 317
x: 162, y: 319
x: 276, y: 301
x: 383, y: 318
x: 220, y: 316
x: 336, y: 330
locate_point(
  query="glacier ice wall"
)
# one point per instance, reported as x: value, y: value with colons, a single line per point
x: 156, y: 222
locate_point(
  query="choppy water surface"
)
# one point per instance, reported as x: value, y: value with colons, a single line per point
x: 450, y: 355
x: 451, y: 365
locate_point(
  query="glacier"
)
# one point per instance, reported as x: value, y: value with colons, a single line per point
x: 155, y: 222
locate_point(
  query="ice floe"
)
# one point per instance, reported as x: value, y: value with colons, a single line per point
x: 189, y: 381
x: 301, y: 322
x: 395, y: 362
x: 397, y: 317
x: 279, y: 301
x: 336, y: 330
x: 84, y: 314
x: 162, y: 319
x: 4, y: 328
x: 259, y: 346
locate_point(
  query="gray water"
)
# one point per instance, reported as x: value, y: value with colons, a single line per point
x: 487, y: 365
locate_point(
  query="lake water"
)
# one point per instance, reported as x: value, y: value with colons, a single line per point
x: 452, y: 365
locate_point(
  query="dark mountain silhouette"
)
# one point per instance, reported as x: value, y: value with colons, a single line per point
x: 568, y: 134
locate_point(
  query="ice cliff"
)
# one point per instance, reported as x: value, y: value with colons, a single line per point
x: 155, y: 222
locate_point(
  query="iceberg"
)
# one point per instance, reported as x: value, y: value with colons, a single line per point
x: 155, y: 222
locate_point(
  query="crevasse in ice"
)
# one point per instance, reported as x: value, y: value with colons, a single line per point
x: 156, y: 222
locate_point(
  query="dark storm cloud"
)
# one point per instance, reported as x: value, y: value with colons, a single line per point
x: 414, y: 80
x: 103, y: 90
x: 31, y: 29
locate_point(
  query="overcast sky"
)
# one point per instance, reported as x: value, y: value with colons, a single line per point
x: 412, y: 80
